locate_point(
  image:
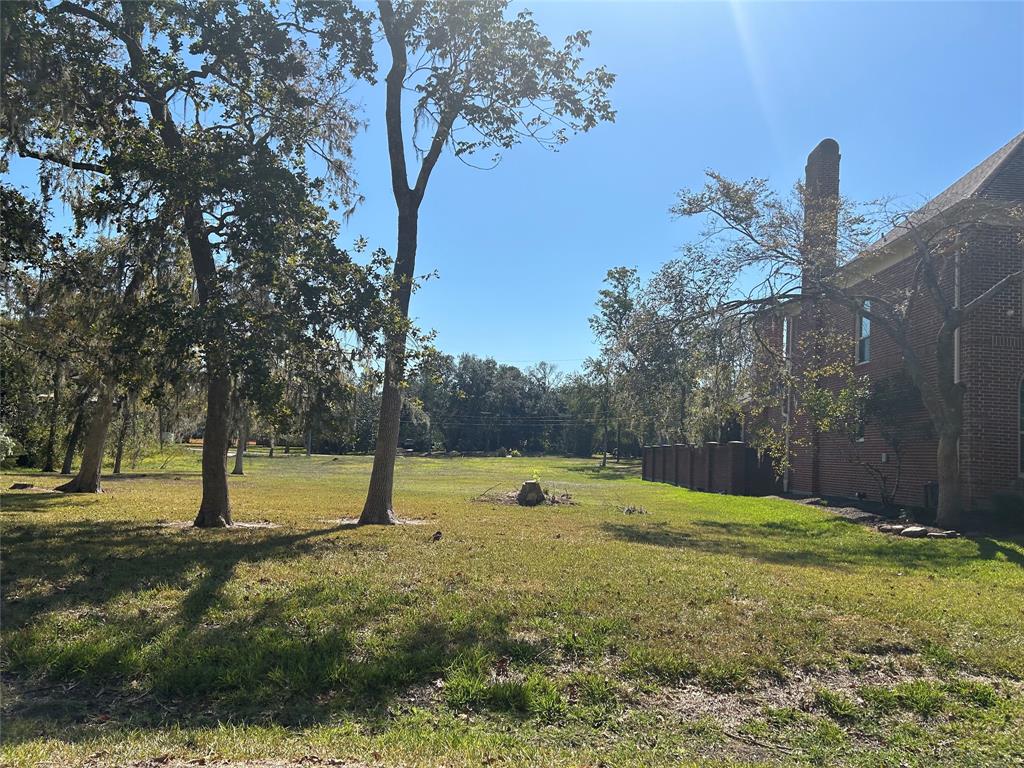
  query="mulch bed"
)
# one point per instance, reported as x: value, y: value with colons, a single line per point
x: 882, y: 523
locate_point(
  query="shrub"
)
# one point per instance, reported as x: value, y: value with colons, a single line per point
x: 8, y: 446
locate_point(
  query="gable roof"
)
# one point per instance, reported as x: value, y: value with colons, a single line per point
x: 972, y: 184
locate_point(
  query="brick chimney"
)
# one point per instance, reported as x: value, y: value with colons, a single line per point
x: 821, y: 208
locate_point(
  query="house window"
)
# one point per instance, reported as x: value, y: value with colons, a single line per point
x: 864, y: 335
x: 1020, y: 423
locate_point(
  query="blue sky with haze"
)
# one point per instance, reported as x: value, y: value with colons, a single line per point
x: 915, y: 94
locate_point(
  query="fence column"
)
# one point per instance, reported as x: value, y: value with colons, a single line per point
x: 738, y: 474
x: 682, y: 458
x: 710, y: 449
x: 670, y: 465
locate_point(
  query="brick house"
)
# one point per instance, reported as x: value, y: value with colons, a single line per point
x: 989, y: 356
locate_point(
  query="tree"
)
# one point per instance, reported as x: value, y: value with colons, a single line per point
x: 772, y: 252
x: 95, y: 90
x: 483, y: 81
x: 652, y: 364
x: 121, y: 274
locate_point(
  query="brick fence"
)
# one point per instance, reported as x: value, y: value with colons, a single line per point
x: 733, y: 468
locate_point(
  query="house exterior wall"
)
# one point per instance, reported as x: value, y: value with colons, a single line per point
x: 991, y: 366
x: 838, y: 469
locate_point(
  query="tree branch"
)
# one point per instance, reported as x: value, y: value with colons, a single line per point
x: 972, y: 306
x: 67, y: 162
x: 393, y: 100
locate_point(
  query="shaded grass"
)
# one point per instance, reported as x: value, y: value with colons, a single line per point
x: 523, y: 636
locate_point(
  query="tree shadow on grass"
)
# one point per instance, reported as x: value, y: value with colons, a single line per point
x: 821, y: 544
x: 37, y: 501
x: 157, y: 475
x: 152, y: 627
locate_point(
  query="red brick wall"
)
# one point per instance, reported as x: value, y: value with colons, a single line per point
x: 991, y: 365
x: 841, y: 473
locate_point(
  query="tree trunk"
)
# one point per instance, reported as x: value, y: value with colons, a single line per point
x: 378, y: 508
x: 243, y: 436
x: 73, y: 437
x: 88, y: 478
x: 273, y: 437
x: 618, y: 441
x: 215, y: 509
x: 51, y: 439
x: 947, y: 416
x: 122, y: 434
x: 309, y: 441
x: 950, y: 497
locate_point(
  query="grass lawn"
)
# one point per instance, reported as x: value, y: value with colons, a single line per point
x: 707, y: 630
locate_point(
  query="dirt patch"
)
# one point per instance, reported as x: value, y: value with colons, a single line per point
x: 166, y: 761
x: 351, y: 522
x: 733, y: 708
x: 182, y: 524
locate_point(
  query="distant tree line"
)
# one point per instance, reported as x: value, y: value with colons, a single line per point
x: 474, y: 404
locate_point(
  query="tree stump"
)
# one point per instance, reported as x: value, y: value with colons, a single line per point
x: 530, y: 495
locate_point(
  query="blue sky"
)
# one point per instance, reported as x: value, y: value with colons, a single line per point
x: 916, y: 94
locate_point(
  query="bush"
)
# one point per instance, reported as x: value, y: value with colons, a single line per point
x: 8, y: 446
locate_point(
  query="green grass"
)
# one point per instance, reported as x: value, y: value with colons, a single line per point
x: 712, y: 630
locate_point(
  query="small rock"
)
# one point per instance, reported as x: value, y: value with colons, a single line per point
x: 942, y: 534
x: 914, y: 532
x: 891, y: 528
x: 436, y: 536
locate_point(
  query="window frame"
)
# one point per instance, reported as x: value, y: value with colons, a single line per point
x: 863, y: 346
